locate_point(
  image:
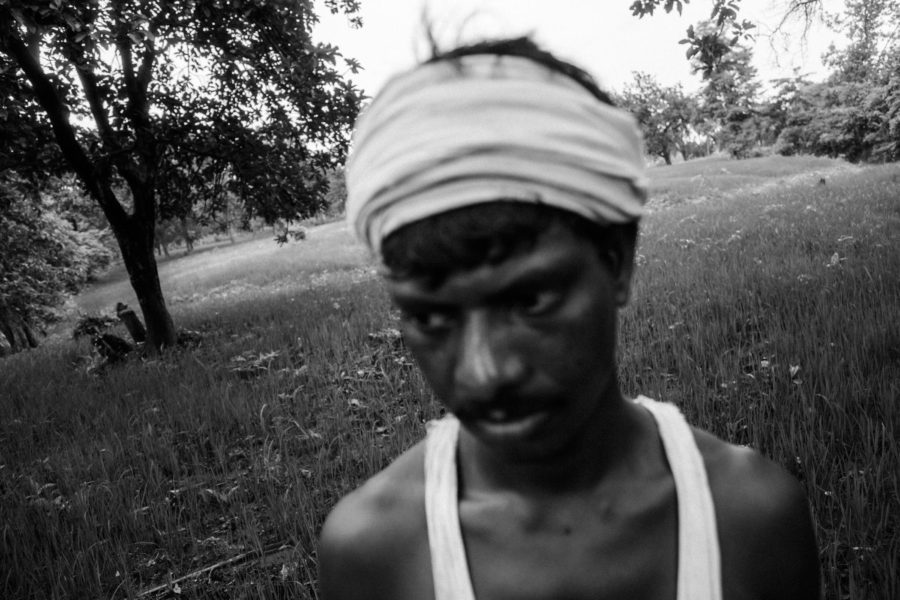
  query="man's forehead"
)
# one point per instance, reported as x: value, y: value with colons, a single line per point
x: 556, y: 250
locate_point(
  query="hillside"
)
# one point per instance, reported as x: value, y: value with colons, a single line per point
x: 234, y: 269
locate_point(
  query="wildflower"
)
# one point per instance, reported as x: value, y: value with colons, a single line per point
x: 835, y: 260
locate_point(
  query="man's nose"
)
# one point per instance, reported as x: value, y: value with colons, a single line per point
x: 487, y: 362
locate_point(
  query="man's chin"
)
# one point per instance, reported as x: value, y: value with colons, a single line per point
x: 526, y: 437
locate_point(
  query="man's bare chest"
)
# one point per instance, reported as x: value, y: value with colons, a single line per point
x: 592, y: 549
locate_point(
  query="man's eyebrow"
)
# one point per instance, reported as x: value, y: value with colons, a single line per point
x: 409, y: 297
x: 554, y: 271
x: 538, y: 278
x: 416, y: 302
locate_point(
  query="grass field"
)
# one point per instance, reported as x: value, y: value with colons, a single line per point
x: 767, y: 305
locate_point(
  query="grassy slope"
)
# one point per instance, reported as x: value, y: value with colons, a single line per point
x: 257, y: 265
x: 767, y: 310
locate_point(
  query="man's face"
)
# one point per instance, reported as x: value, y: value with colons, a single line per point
x: 522, y: 352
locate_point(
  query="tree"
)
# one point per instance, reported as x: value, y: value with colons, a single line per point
x: 866, y: 75
x: 871, y: 27
x: 725, y: 16
x: 336, y: 196
x: 729, y: 96
x: 51, y: 239
x: 889, y: 146
x: 664, y: 113
x: 165, y: 82
x: 785, y: 103
x: 27, y: 146
x: 724, y: 11
x: 854, y: 113
x: 43, y: 256
x: 832, y: 120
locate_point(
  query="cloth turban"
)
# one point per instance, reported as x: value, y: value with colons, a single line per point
x: 484, y: 128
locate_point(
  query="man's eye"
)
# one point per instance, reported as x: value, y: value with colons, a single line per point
x: 537, y: 303
x: 429, y: 321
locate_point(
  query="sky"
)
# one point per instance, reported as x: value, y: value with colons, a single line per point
x: 600, y: 36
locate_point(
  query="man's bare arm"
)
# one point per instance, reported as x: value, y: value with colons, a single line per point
x: 766, y: 533
x: 348, y: 564
x: 786, y: 550
x: 374, y: 543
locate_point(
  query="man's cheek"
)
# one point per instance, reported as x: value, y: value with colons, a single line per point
x: 434, y: 365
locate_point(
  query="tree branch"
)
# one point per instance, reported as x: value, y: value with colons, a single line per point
x: 58, y: 113
x: 804, y: 9
x: 127, y: 59
x: 145, y: 73
x: 98, y: 111
x: 136, y: 85
x: 107, y: 135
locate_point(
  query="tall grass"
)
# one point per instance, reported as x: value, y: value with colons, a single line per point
x: 774, y: 319
x: 771, y: 316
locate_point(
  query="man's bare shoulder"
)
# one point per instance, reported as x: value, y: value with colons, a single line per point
x: 765, y: 530
x: 375, y: 532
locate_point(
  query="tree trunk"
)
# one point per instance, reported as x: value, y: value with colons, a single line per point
x: 29, y: 335
x: 186, y: 234
x: 9, y: 333
x: 136, y: 243
x: 16, y: 331
x: 132, y: 323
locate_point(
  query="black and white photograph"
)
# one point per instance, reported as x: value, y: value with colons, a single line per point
x: 446, y: 300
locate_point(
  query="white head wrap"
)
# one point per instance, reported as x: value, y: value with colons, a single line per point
x: 483, y: 128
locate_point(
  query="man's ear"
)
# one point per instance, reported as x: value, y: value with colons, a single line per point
x: 621, y: 262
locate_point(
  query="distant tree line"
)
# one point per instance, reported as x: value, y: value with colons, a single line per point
x: 854, y: 113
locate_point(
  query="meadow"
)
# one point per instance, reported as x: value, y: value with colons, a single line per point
x: 766, y: 305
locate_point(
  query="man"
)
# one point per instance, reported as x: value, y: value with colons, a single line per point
x: 501, y: 190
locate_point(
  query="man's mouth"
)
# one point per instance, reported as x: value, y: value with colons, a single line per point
x: 498, y: 415
x: 503, y: 423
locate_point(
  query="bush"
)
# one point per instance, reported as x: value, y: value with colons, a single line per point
x: 789, y: 142
x: 43, y: 258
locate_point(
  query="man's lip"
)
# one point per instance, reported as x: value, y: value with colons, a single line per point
x: 511, y: 426
x: 501, y: 412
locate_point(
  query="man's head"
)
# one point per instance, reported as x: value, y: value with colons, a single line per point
x: 501, y: 190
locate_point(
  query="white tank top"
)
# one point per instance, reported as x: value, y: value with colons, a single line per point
x: 699, y: 576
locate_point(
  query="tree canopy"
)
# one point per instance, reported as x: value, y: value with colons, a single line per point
x: 729, y: 97
x: 728, y: 30
x: 140, y: 95
x: 665, y: 114
x: 854, y: 113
